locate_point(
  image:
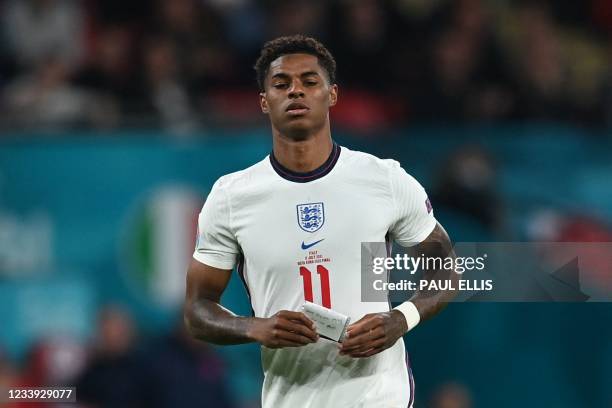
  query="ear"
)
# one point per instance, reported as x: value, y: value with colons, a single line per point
x: 263, y: 103
x: 333, y: 95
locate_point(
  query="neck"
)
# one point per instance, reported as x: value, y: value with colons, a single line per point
x: 302, y: 155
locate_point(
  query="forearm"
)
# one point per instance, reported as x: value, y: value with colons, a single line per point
x: 208, y: 321
x: 431, y: 302
x: 436, y: 246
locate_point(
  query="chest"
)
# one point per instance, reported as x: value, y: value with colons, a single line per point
x: 324, y: 218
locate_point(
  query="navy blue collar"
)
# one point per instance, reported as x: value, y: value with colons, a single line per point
x: 317, y: 173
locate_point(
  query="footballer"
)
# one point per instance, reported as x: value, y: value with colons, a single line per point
x: 293, y: 225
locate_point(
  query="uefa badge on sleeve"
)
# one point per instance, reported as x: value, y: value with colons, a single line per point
x: 428, y: 205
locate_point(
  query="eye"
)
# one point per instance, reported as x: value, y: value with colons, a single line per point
x: 280, y: 85
x: 310, y: 82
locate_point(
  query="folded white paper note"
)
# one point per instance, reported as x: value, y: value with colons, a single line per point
x: 330, y: 324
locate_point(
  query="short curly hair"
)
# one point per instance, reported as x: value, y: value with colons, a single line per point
x: 295, y: 44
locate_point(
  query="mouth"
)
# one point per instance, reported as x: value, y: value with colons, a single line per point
x: 297, y: 109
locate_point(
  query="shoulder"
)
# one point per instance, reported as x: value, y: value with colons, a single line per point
x: 243, y: 178
x: 379, y: 171
x: 370, y: 163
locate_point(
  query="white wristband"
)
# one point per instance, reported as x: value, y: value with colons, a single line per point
x: 411, y: 314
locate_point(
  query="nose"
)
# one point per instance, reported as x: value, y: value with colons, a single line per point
x: 296, y: 90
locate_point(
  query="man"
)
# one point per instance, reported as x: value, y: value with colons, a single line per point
x: 293, y: 223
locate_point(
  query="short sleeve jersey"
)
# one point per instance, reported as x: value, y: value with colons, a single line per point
x: 296, y: 237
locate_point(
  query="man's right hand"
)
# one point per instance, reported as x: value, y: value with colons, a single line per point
x: 284, y: 329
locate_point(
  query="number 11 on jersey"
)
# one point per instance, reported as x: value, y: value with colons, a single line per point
x: 323, y: 277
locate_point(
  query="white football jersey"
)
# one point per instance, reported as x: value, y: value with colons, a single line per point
x: 297, y: 237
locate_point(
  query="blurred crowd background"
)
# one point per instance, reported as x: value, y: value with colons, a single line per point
x: 183, y: 64
x: 116, y: 117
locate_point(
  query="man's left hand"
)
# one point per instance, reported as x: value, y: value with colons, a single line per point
x: 373, y: 333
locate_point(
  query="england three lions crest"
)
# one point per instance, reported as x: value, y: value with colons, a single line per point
x: 310, y: 216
